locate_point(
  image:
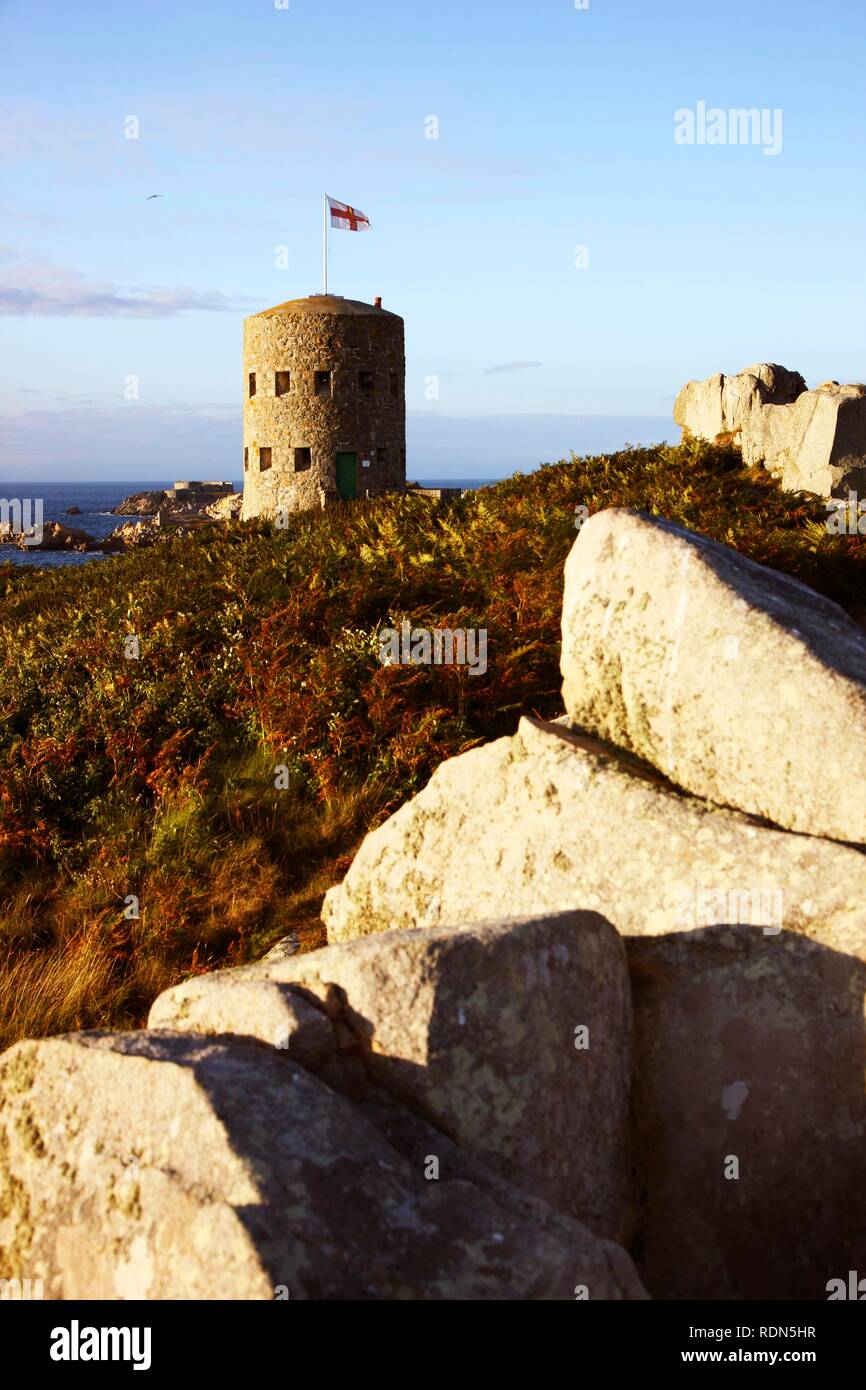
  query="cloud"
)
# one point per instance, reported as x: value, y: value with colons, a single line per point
x: 510, y: 367
x: 33, y: 129
x: 44, y: 289
x: 84, y: 442
x: 10, y: 213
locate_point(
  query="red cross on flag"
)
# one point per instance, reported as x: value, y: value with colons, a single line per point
x: 348, y: 218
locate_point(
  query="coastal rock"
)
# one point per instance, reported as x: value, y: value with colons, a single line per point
x: 131, y: 535
x: 551, y: 820
x: 818, y: 444
x: 721, y: 405
x: 721, y: 673
x: 184, y: 499
x: 55, y: 536
x: 141, y: 504
x: 512, y: 1037
x: 750, y: 1114
x: 73, y: 511
x: 226, y: 508
x: 159, y: 1166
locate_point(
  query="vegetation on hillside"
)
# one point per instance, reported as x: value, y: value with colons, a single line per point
x: 155, y: 778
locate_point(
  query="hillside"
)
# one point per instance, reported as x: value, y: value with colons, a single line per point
x: 155, y: 777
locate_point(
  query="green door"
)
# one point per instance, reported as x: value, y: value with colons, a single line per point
x: 347, y: 475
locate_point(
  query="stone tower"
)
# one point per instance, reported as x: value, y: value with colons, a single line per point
x: 324, y: 404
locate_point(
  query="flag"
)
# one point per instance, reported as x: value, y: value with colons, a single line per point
x: 348, y: 218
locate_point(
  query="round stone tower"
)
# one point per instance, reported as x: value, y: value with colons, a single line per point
x: 324, y: 404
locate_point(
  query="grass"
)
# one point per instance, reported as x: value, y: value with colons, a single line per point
x: 154, y: 778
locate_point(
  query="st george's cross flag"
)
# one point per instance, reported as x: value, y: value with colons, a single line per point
x: 348, y: 218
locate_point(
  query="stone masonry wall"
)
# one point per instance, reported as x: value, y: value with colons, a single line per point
x: 303, y: 337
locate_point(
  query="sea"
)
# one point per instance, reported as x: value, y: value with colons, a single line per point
x: 97, y: 519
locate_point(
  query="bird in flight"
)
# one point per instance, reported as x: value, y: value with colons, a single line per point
x: 153, y: 195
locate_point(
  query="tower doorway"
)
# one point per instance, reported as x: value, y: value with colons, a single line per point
x: 347, y: 476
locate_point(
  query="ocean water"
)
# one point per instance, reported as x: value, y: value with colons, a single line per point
x: 457, y: 482
x: 96, y: 501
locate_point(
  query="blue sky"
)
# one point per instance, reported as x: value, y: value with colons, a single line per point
x: 555, y: 130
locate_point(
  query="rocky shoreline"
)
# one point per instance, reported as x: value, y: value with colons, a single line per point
x: 162, y: 517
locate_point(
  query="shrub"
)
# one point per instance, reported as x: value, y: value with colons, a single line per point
x: 155, y: 777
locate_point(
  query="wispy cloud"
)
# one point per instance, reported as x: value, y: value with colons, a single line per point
x: 85, y: 442
x: 510, y: 367
x: 10, y: 213
x: 45, y: 289
x: 34, y: 129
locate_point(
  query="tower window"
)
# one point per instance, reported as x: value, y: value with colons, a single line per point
x: 395, y: 385
x: 303, y: 459
x: 282, y: 383
x: 264, y: 459
x: 366, y: 382
x: 252, y: 383
x: 382, y: 456
x: 322, y: 383
x: 246, y: 459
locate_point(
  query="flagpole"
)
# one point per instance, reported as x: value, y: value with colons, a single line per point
x: 325, y: 238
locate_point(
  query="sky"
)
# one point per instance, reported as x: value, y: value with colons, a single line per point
x: 557, y: 248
